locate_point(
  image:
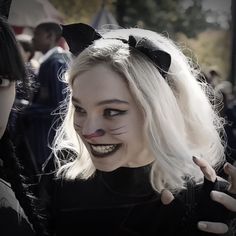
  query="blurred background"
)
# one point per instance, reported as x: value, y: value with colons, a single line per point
x: 203, y: 28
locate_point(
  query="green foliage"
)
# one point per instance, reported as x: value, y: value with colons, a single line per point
x: 159, y: 15
x: 80, y: 10
x: 210, y: 49
x: 163, y: 15
x: 77, y: 10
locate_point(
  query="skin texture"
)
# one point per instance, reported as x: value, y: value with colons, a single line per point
x: 106, y: 113
x: 7, y: 96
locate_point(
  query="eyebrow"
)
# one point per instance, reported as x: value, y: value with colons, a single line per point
x: 104, y: 102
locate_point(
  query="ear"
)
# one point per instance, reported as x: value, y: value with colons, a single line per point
x: 79, y: 36
x: 163, y: 60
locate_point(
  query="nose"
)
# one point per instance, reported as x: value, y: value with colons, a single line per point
x: 97, y: 133
x: 92, y: 128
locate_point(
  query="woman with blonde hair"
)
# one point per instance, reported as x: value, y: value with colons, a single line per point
x: 132, y: 153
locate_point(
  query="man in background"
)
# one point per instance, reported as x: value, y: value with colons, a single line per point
x: 41, y: 122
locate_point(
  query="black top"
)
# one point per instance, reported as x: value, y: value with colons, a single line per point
x: 123, y: 202
x: 12, y: 218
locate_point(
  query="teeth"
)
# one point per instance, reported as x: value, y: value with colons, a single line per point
x: 103, y: 148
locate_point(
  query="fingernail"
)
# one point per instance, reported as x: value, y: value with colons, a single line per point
x: 202, y: 225
x: 195, y: 159
x: 215, y: 195
x: 166, y: 197
x: 228, y: 168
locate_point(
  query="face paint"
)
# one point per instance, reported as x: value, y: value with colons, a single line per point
x: 111, y: 108
x: 97, y: 133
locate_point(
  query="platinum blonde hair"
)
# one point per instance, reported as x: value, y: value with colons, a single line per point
x: 180, y: 117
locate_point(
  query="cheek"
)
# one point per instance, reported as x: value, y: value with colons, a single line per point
x: 77, y: 123
x: 7, y: 97
x: 137, y: 125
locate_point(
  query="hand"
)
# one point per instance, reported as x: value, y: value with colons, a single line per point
x: 223, y: 198
x: 209, y: 173
x: 220, y: 197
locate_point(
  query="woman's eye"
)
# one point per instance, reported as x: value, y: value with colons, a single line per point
x: 113, y: 112
x: 79, y: 110
x: 4, y: 82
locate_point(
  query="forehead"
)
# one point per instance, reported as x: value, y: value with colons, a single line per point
x: 99, y: 83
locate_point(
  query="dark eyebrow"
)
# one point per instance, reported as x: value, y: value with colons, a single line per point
x: 112, y: 101
x: 109, y: 101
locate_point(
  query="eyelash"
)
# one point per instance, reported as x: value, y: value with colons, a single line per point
x: 107, y: 112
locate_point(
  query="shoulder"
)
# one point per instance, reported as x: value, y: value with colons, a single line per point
x: 12, y: 218
x: 7, y: 196
x: 58, y: 57
x: 14, y: 224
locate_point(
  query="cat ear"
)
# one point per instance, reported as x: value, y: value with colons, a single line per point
x: 79, y: 36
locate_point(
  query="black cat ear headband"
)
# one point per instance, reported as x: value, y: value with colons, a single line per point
x: 5, y: 8
x: 79, y: 36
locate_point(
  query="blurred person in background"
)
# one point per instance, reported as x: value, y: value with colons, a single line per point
x: 41, y: 116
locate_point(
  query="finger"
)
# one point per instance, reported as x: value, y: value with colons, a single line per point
x: 206, y: 169
x: 224, y: 199
x: 166, y: 197
x: 213, y: 227
x: 231, y: 171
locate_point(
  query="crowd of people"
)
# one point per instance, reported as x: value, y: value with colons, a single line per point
x: 120, y: 135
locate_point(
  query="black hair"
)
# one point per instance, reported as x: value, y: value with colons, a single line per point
x: 12, y: 65
x: 12, y: 68
x: 12, y: 173
x: 51, y: 27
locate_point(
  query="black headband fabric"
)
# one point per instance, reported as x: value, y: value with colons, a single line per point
x: 5, y: 8
x: 79, y: 36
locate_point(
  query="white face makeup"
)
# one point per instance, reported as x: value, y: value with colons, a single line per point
x: 7, y: 96
x: 108, y: 120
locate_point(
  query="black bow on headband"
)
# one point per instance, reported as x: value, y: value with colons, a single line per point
x: 161, y: 58
x: 79, y: 36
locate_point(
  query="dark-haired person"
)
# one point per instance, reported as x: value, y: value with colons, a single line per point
x: 136, y: 122
x: 16, y: 211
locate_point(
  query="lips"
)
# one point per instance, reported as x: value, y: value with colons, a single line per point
x: 103, y: 150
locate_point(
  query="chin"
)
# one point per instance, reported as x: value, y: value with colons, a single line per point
x: 106, y: 167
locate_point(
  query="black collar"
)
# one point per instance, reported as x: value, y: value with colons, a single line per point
x: 133, y: 182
